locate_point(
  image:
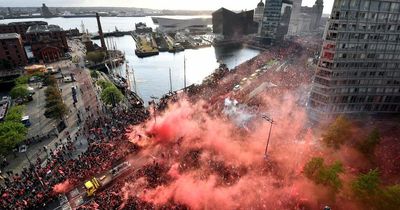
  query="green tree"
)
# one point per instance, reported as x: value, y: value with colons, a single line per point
x: 366, y: 185
x: 367, y: 145
x: 312, y: 168
x: 96, y: 56
x: 111, y: 95
x: 14, y: 114
x: 320, y: 173
x: 19, y: 91
x: 52, y: 91
x: 50, y: 80
x: 389, y: 198
x: 22, y: 80
x: 94, y: 74
x: 11, y: 133
x: 57, y: 111
x: 104, y: 84
x: 338, y: 133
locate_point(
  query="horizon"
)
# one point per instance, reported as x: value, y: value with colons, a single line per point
x: 188, y: 5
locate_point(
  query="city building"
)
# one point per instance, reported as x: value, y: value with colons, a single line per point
x: 358, y: 69
x: 12, y: 53
x: 305, y: 19
x: 258, y: 12
x: 193, y: 25
x: 19, y: 27
x: 275, y: 22
x: 46, y: 11
x: 48, y: 43
x: 233, y: 25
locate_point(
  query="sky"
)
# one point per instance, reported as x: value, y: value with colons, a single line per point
x: 153, y: 4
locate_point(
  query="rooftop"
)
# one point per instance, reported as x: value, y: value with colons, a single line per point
x: 9, y: 36
x: 29, y: 23
x: 43, y: 28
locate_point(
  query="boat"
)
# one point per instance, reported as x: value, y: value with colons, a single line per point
x: 145, y: 45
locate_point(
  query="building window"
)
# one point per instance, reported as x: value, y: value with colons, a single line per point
x: 374, y: 6
x: 394, y: 7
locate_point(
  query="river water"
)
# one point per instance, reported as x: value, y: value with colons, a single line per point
x: 152, y: 73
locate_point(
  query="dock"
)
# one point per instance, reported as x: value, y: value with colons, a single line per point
x: 145, y: 45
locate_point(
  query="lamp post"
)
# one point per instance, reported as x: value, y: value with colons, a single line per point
x: 154, y: 109
x: 24, y: 149
x: 271, y: 121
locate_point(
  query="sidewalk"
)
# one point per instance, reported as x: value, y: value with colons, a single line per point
x: 85, y: 98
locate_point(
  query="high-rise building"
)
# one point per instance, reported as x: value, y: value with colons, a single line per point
x: 305, y: 19
x: 317, y: 14
x: 294, y: 24
x: 275, y: 22
x: 233, y: 25
x: 358, y: 70
x: 258, y: 12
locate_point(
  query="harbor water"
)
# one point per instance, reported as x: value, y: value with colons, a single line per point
x: 152, y: 73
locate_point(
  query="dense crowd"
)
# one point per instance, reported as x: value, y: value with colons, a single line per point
x: 107, y: 146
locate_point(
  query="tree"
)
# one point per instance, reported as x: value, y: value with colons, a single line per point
x: 389, y: 198
x: 14, y: 114
x: 367, y: 145
x: 312, y: 168
x: 111, y: 95
x: 52, y: 91
x: 11, y: 134
x: 57, y: 111
x: 320, y: 173
x: 338, y: 133
x: 50, y: 80
x: 96, y: 56
x: 366, y: 185
x: 367, y: 189
x: 94, y: 74
x: 22, y: 80
x: 19, y: 91
x: 104, y: 84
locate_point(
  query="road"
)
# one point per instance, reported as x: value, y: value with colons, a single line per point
x: 41, y: 125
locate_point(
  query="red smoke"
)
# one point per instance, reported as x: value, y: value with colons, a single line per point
x: 62, y: 187
x: 230, y: 171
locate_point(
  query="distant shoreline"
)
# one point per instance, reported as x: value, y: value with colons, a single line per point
x: 90, y: 16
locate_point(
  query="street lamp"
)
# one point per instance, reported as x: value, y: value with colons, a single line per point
x: 271, y: 121
x: 24, y: 149
x: 154, y: 109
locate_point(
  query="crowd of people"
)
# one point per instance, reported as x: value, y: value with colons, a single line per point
x: 33, y: 187
x: 107, y: 146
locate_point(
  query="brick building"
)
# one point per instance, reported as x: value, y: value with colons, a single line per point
x: 48, y: 43
x: 19, y: 27
x: 12, y: 53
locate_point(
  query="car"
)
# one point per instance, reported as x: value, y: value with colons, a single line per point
x: 243, y: 81
x: 253, y: 76
x: 67, y: 79
x: 236, y: 88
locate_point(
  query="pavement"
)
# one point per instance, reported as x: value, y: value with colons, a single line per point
x: 41, y: 125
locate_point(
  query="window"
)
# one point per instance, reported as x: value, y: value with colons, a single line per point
x: 385, y: 6
x: 354, y: 4
x: 374, y: 5
x: 344, y: 4
x: 394, y: 7
x: 364, y: 4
